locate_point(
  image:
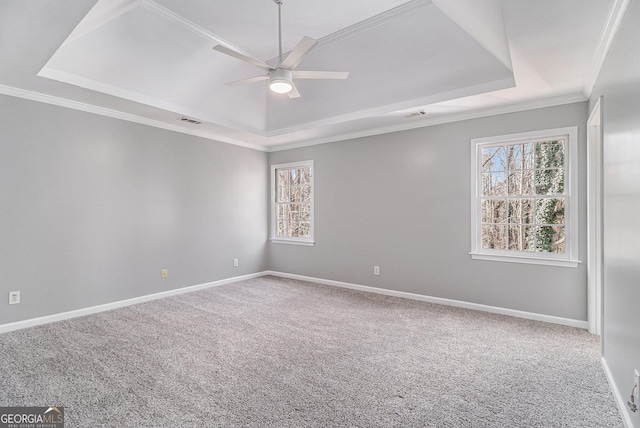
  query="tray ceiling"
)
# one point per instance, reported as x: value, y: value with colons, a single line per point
x: 154, y: 59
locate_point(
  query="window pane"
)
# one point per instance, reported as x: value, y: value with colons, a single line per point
x: 529, y: 233
x: 550, y: 239
x: 517, y: 238
x: 550, y: 154
x: 550, y: 211
x: 294, y: 230
x: 527, y: 211
x: 295, y: 194
x: 487, y: 159
x: 283, y: 177
x: 494, y: 159
x: 282, y: 228
x: 550, y: 181
x: 283, y: 194
x: 294, y: 176
x: 558, y: 239
x: 494, y: 184
x: 521, y: 183
x: 305, y: 229
x: 514, y: 214
x: 305, y: 176
x: 494, y: 237
x: 494, y: 211
x: 305, y: 193
x: 283, y: 212
x: 499, y: 211
x: 305, y: 212
x: 487, y: 211
x: 293, y: 212
x: 521, y: 157
x: 520, y: 211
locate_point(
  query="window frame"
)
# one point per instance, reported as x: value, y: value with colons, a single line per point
x: 570, y: 256
x: 309, y: 241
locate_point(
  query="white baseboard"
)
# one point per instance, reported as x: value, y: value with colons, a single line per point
x: 449, y: 302
x: 4, y: 328
x: 620, y: 401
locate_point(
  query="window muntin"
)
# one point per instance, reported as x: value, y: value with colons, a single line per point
x: 292, y: 202
x: 522, y: 196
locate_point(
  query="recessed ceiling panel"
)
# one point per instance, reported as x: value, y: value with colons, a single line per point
x: 253, y: 24
x: 148, y: 57
x: 416, y: 58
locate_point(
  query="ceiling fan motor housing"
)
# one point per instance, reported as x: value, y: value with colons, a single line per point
x: 280, y: 80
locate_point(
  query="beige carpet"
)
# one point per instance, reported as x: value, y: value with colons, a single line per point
x: 272, y: 352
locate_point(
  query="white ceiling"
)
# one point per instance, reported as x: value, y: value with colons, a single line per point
x: 152, y: 61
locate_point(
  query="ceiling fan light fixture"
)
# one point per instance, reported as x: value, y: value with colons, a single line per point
x: 280, y: 86
x: 280, y: 81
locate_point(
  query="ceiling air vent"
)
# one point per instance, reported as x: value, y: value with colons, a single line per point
x: 187, y: 119
x: 416, y: 113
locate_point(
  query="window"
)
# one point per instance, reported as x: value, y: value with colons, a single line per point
x: 524, y: 198
x: 292, y: 203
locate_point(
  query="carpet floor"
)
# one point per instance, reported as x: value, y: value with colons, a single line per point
x: 273, y: 352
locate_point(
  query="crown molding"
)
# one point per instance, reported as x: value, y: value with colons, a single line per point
x: 610, y: 30
x: 456, y: 117
x: 375, y: 21
x: 170, y: 15
x: 102, y: 111
x: 102, y: 13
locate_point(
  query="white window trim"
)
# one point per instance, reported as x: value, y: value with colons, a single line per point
x: 570, y: 258
x: 273, y: 236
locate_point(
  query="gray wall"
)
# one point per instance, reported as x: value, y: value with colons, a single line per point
x: 619, y: 84
x: 92, y: 208
x: 402, y: 201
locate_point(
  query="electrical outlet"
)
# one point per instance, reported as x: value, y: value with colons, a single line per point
x: 165, y: 274
x: 14, y: 297
x: 235, y: 262
x: 376, y: 270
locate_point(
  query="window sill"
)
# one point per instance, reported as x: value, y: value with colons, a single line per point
x: 292, y: 242
x: 527, y: 260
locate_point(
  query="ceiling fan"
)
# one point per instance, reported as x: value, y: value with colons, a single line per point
x: 281, y: 77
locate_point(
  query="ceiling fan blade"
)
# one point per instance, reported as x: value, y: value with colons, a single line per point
x: 249, y: 80
x: 320, y: 74
x: 297, y: 54
x: 243, y: 57
x: 294, y: 92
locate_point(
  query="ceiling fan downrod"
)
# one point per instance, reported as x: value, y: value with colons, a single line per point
x: 279, y: 3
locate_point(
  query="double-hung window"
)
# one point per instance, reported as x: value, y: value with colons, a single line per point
x: 524, y: 198
x: 292, y: 203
